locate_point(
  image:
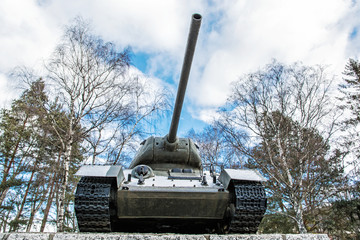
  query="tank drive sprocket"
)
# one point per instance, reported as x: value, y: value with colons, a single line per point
x: 94, y: 204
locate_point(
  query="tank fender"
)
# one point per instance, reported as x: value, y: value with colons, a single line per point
x: 227, y: 175
x: 108, y: 171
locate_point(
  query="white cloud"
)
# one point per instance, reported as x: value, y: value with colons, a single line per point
x: 26, y: 36
x: 253, y: 32
x: 236, y: 36
x: 207, y: 115
x: 7, y: 93
x: 150, y: 26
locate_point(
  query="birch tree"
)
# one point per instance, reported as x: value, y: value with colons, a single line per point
x: 87, y: 73
x: 116, y: 139
x: 93, y: 102
x: 213, y: 149
x: 281, y: 118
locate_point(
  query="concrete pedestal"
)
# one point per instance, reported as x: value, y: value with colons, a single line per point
x: 122, y: 236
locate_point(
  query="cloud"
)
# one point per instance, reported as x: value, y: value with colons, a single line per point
x: 31, y: 29
x: 149, y: 26
x: 7, y: 93
x: 26, y: 35
x: 236, y: 37
x: 207, y: 115
x: 251, y: 33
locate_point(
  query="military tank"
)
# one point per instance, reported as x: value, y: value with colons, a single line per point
x: 166, y: 188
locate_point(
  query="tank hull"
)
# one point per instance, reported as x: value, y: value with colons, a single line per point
x: 171, y: 202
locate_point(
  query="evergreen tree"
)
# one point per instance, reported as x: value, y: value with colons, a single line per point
x: 351, y: 102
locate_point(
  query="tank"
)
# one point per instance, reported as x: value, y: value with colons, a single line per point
x: 166, y: 188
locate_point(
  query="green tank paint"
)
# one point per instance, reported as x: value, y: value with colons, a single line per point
x: 157, y: 150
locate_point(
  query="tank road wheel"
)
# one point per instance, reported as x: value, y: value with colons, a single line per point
x: 95, y: 204
x: 250, y: 205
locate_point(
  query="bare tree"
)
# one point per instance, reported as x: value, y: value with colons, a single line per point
x: 87, y: 74
x: 113, y: 138
x: 284, y: 112
x: 94, y: 105
x: 213, y: 148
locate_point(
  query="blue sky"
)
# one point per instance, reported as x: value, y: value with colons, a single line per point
x: 236, y: 37
x: 140, y: 60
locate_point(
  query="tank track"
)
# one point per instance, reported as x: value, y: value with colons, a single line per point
x: 93, y: 204
x: 250, y: 206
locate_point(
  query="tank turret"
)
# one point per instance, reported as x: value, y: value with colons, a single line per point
x: 165, y: 188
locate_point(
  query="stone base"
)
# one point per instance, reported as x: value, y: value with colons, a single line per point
x: 123, y: 236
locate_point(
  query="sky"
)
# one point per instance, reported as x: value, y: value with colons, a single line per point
x: 236, y: 37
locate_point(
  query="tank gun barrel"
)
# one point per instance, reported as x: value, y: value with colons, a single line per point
x: 189, y: 53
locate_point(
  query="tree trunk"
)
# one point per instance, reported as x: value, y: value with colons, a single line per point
x: 65, y: 177
x: 14, y: 228
x: 35, y: 208
x: 3, y: 194
x: 49, y: 202
x: 299, y: 217
x: 5, y: 221
x: 7, y: 168
x: 31, y: 218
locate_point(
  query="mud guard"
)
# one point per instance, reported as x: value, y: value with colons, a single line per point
x: 252, y: 175
x: 108, y: 171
